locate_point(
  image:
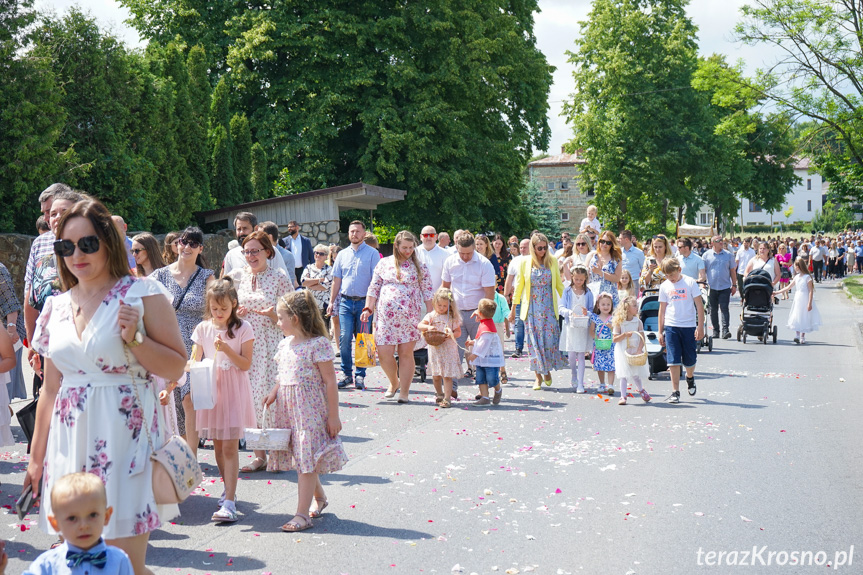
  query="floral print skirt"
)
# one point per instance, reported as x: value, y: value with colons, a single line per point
x: 97, y: 427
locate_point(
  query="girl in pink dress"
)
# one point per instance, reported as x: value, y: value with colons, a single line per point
x: 443, y: 362
x: 228, y: 341
x: 306, y: 401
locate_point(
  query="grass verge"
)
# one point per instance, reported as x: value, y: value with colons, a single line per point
x: 855, y: 286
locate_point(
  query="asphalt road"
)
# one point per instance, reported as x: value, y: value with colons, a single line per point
x: 765, y: 456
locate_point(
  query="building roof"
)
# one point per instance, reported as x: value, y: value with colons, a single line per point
x: 802, y: 163
x: 559, y: 160
x: 358, y: 195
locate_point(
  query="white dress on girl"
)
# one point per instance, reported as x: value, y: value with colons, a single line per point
x: 574, y: 336
x: 622, y: 367
x: 801, y: 319
x: 6, y: 437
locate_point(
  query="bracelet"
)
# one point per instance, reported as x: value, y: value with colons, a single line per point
x: 368, y: 309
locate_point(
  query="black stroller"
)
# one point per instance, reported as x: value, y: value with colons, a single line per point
x: 648, y: 313
x: 757, y: 315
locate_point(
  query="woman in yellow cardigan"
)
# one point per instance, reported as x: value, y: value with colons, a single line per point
x: 537, y: 288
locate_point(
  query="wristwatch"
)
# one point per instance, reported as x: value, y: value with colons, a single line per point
x: 136, y: 341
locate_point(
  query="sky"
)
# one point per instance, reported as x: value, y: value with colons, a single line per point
x: 556, y: 27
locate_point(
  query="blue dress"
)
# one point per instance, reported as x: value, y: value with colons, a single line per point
x: 603, y: 359
x: 606, y: 285
x: 541, y: 328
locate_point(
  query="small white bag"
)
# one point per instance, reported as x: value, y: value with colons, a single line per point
x: 268, y: 439
x: 202, y: 377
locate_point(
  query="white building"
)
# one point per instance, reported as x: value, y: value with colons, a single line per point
x: 802, y: 202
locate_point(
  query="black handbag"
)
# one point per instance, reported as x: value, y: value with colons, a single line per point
x: 27, y: 420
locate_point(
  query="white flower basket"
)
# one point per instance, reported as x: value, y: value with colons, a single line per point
x: 268, y: 439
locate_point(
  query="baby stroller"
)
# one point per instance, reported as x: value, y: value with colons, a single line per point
x: 757, y: 315
x: 707, y: 341
x: 648, y: 313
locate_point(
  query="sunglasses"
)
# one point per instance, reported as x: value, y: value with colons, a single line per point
x: 190, y: 243
x: 87, y: 245
x: 540, y: 248
x: 658, y: 237
x: 606, y: 242
x: 581, y: 243
x: 322, y: 254
x: 428, y: 235
x: 251, y: 253
x: 137, y: 251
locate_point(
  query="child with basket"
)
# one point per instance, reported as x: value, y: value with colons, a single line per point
x: 574, y: 306
x: 630, y: 356
x: 440, y: 328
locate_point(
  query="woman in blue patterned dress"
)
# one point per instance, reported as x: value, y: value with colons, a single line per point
x: 537, y: 288
x: 605, y: 265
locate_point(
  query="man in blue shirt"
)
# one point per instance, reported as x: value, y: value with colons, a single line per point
x: 858, y: 255
x: 721, y: 275
x: 352, y: 275
x: 633, y: 258
x: 691, y: 265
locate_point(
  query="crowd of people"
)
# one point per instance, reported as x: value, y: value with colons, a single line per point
x: 114, y: 325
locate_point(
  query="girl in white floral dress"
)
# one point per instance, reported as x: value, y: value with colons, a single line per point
x: 306, y: 401
x: 99, y: 339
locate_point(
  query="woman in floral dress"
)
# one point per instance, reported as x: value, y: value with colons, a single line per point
x: 538, y: 288
x: 186, y: 279
x: 100, y: 339
x: 605, y: 265
x: 400, y: 286
x: 259, y: 288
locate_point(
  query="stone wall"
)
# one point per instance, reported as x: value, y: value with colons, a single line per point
x: 14, y: 250
x: 321, y: 232
x: 573, y: 200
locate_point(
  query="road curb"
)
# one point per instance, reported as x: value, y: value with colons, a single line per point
x: 853, y: 298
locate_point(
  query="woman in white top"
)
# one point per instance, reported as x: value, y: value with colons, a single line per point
x: 581, y: 254
x: 764, y: 260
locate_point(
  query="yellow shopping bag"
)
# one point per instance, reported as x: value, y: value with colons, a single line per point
x: 365, y: 353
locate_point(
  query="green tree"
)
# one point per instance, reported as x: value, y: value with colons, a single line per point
x: 222, y: 179
x: 260, y: 184
x: 241, y: 138
x: 198, y: 155
x: 445, y: 98
x: 634, y: 112
x: 544, y: 209
x: 819, y: 75
x: 31, y: 118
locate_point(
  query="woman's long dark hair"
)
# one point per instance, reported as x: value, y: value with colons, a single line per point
x: 194, y: 234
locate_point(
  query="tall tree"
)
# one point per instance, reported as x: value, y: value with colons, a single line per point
x: 241, y: 138
x: 222, y: 179
x: 819, y: 75
x: 198, y: 155
x: 260, y: 183
x: 445, y: 98
x: 634, y: 112
x: 31, y: 117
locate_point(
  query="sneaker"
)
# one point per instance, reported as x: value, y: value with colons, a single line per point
x: 716, y: 334
x: 482, y: 401
x: 516, y: 355
x: 802, y: 339
x: 622, y: 401
x: 602, y: 388
x: 674, y: 397
x: 645, y: 396
x: 726, y: 335
x: 497, y: 396
x: 796, y: 340
x: 580, y: 388
x: 345, y: 382
x: 360, y: 382
x: 225, y: 514
x: 690, y: 385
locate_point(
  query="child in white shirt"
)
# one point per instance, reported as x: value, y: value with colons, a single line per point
x: 486, y: 354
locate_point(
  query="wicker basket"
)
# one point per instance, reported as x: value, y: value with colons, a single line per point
x: 434, y: 337
x: 637, y: 359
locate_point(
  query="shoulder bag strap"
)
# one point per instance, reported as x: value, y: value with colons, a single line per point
x: 179, y: 301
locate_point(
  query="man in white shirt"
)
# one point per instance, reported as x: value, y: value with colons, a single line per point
x: 444, y: 241
x: 471, y: 278
x: 744, y: 254
x: 817, y: 257
x: 508, y: 287
x: 432, y: 255
x: 244, y: 224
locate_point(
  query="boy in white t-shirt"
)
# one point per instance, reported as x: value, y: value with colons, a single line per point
x: 486, y: 353
x: 681, y: 324
x: 590, y: 221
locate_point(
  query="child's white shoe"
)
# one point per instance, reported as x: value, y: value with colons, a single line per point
x: 580, y: 388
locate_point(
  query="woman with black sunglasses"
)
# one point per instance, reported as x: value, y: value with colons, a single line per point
x: 187, y: 280
x: 605, y: 265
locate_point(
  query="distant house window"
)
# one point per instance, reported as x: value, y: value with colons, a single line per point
x: 591, y: 191
x: 564, y: 185
x: 550, y: 185
x: 808, y: 205
x: 564, y: 216
x: 809, y: 184
x: 706, y: 219
x: 753, y: 207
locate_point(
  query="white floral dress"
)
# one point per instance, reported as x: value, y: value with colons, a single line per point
x: 97, y: 421
x: 259, y: 292
x: 401, y: 300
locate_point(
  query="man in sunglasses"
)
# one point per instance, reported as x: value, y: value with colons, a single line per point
x: 432, y: 255
x: 244, y: 224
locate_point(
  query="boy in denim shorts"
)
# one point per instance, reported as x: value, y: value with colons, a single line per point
x: 486, y: 354
x: 681, y: 324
